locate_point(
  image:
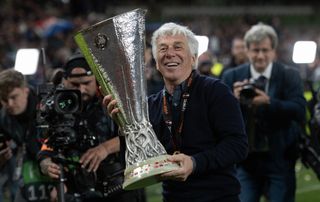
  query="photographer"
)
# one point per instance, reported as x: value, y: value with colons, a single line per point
x: 7, y: 165
x: 99, y: 160
x: 18, y: 124
x: 272, y: 104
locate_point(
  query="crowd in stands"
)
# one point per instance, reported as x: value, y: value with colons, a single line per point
x: 51, y: 25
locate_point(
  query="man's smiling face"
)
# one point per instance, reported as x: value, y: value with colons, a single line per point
x: 174, y: 59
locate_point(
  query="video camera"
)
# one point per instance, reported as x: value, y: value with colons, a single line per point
x: 66, y: 131
x: 60, y: 118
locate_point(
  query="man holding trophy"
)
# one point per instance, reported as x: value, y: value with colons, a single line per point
x: 197, y: 119
x: 190, y: 134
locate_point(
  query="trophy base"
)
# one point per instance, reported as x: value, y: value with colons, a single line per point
x: 146, y: 172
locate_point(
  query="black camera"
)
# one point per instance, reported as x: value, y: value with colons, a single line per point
x: 66, y: 130
x: 248, y: 90
x: 58, y: 116
x: 57, y: 99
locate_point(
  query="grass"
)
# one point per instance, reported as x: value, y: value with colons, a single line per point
x: 153, y: 193
x: 308, y: 187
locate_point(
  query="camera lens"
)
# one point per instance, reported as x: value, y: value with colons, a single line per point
x: 67, y: 102
x: 247, y: 91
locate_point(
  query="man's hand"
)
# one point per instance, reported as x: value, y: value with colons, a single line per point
x: 261, y: 98
x: 238, y: 86
x: 93, y: 157
x: 54, y: 194
x: 49, y: 168
x: 110, y: 104
x: 5, y: 154
x: 182, y: 173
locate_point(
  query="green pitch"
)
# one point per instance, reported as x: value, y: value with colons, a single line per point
x: 308, y: 187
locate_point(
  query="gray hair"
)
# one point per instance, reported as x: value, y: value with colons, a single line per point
x: 171, y: 29
x: 259, y: 32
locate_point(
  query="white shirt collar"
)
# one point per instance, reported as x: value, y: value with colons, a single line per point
x: 266, y: 73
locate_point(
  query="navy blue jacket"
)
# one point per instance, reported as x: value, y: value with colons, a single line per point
x: 213, y: 133
x: 280, y: 117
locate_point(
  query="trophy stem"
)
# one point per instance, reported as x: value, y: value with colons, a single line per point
x: 141, y: 143
x: 146, y: 158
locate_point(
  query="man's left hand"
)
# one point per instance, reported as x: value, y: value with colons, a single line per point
x: 261, y: 98
x: 182, y: 173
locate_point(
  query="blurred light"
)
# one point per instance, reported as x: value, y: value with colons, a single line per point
x: 27, y: 61
x: 307, y: 177
x: 203, y: 44
x: 304, y: 52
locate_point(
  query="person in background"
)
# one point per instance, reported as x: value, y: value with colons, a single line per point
x: 209, y: 65
x: 18, y: 124
x: 103, y: 158
x: 204, y: 68
x: 7, y: 166
x: 238, y: 54
x: 273, y: 107
x: 197, y: 119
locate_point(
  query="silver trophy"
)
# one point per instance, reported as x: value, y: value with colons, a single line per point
x: 114, y: 49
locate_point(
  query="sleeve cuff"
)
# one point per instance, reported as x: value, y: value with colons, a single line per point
x: 194, y: 163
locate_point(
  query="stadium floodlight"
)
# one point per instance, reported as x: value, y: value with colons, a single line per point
x: 27, y: 60
x: 304, y: 52
x: 203, y: 44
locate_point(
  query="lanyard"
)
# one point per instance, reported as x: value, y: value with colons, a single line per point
x: 167, y: 113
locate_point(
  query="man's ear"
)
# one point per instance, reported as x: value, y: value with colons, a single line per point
x: 99, y: 93
x: 26, y: 90
x: 194, y: 61
x: 65, y: 82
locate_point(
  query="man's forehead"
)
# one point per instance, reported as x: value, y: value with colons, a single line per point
x: 177, y: 38
x: 81, y: 79
x: 15, y: 91
x: 78, y: 72
x: 264, y: 42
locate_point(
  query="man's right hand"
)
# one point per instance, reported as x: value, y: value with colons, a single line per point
x: 111, y: 105
x: 92, y: 158
x: 238, y: 86
x: 49, y: 168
